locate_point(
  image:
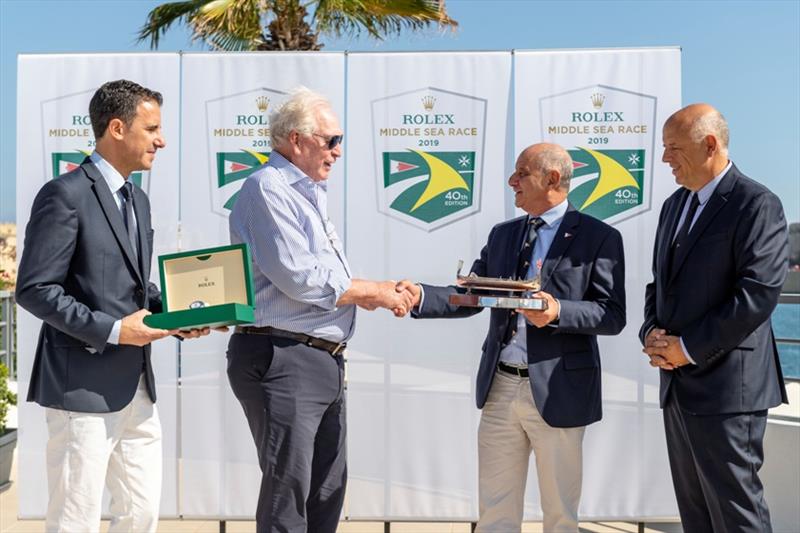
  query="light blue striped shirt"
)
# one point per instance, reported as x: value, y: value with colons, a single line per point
x: 299, y: 267
x: 516, y: 352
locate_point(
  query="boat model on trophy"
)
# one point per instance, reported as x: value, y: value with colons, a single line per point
x: 498, y: 292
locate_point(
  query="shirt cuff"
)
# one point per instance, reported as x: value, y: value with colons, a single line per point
x: 113, y: 337
x: 686, y: 352
x: 421, y: 297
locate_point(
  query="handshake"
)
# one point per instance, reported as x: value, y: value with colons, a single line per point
x: 398, y: 297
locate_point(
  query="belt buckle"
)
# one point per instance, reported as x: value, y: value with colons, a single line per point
x: 339, y: 349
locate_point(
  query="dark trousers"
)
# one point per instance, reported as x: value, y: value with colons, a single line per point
x: 293, y: 398
x: 714, y: 461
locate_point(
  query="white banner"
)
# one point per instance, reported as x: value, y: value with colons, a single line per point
x: 53, y: 136
x: 430, y: 140
x: 607, y: 108
x: 427, y: 166
x: 226, y: 100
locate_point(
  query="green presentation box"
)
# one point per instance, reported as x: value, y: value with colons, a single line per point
x: 211, y: 287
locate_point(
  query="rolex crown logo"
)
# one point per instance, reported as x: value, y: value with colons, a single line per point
x: 597, y: 100
x: 428, y: 102
x: 262, y: 102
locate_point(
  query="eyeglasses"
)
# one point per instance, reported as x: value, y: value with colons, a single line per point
x: 331, y: 142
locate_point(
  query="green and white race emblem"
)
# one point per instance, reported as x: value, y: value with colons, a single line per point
x: 606, y: 183
x: 609, y: 135
x: 429, y: 146
x: 434, y: 184
x: 238, y: 141
x: 235, y: 166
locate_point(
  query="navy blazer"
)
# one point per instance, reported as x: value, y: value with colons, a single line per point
x: 720, y: 297
x: 78, y: 275
x: 585, y: 270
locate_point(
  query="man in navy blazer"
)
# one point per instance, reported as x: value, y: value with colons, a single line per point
x: 720, y: 260
x: 539, y: 377
x: 85, y: 273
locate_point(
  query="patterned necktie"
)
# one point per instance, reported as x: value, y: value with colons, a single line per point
x: 523, y: 262
x: 683, y: 234
x: 526, y: 252
x: 127, y: 217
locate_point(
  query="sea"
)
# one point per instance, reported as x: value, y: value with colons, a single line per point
x: 786, y: 324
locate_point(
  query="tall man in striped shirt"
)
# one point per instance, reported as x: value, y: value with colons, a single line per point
x: 288, y: 371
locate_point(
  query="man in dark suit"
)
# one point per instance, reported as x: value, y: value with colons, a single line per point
x: 719, y: 263
x: 84, y: 272
x: 539, y: 377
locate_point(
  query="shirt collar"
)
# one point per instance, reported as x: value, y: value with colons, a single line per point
x: 113, y: 178
x: 291, y: 173
x: 553, y: 216
x: 708, y: 189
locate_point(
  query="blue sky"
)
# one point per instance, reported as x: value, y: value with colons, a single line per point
x: 741, y: 56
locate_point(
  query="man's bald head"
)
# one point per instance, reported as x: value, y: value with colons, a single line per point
x: 548, y: 157
x: 541, y: 178
x: 700, y: 120
x: 695, y: 145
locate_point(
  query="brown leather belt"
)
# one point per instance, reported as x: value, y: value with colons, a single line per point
x: 333, y: 348
x: 508, y: 369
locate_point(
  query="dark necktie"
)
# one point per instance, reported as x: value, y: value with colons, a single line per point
x: 127, y: 217
x: 523, y: 263
x: 526, y: 252
x: 683, y: 234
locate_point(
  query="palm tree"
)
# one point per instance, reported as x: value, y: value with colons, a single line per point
x: 282, y: 24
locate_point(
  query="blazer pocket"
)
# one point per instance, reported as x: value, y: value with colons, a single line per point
x: 575, y: 361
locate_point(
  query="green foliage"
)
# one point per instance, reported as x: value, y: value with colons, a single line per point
x: 6, y: 281
x: 281, y: 24
x: 7, y: 398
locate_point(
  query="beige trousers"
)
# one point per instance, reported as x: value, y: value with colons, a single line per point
x: 121, y: 450
x: 510, y: 428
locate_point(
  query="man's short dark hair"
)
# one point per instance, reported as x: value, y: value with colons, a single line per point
x: 118, y: 99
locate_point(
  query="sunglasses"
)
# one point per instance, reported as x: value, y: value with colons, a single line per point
x: 331, y: 142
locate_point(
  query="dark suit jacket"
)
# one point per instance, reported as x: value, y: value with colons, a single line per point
x: 585, y: 271
x: 78, y: 275
x: 720, y: 297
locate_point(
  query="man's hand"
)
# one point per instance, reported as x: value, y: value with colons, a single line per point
x: 134, y: 331
x: 540, y: 318
x: 413, y: 290
x: 664, y: 350
x: 384, y: 294
x: 199, y: 332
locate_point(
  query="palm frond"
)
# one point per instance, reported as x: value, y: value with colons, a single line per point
x: 162, y: 17
x: 223, y: 24
x: 230, y: 24
x: 379, y: 18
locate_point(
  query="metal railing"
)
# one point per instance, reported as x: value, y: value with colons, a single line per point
x: 8, y: 333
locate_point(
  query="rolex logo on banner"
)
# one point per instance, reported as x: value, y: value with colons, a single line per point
x: 429, y: 145
x: 608, y: 132
x: 238, y: 140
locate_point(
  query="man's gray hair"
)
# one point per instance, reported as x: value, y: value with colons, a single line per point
x: 711, y: 123
x: 558, y: 159
x: 298, y: 113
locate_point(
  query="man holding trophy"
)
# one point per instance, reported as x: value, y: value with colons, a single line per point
x: 538, y: 383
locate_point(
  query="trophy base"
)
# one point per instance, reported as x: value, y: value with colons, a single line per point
x: 502, y: 302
